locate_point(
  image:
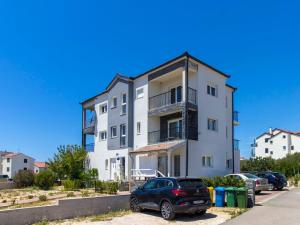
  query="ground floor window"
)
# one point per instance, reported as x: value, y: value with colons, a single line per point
x: 207, y: 161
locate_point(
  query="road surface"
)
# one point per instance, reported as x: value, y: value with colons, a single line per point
x: 282, y: 210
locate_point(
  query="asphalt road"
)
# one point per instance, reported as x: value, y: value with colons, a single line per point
x: 282, y: 210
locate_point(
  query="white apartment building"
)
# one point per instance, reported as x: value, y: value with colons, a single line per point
x: 13, y: 162
x: 176, y: 119
x: 276, y: 143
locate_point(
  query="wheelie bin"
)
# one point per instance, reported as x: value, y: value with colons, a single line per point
x: 242, y: 197
x: 231, y: 196
x: 211, y: 194
x: 220, y: 196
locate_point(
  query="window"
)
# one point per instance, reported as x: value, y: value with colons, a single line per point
x: 226, y: 102
x: 122, y: 135
x: 212, y: 90
x: 138, y: 127
x: 114, y: 102
x: 7, y: 169
x: 283, y: 136
x: 212, y: 124
x: 284, y: 147
x: 266, y: 140
x: 266, y: 150
x: 206, y: 161
x: 150, y: 185
x: 271, y: 152
x: 113, y: 132
x: 271, y: 142
x: 8, y: 160
x: 123, y: 108
x: 164, y: 183
x: 226, y: 132
x: 103, y: 108
x: 103, y: 135
x: 292, y: 147
x: 139, y: 93
x: 228, y: 163
x: 25, y: 160
x: 25, y: 168
x: 106, y: 164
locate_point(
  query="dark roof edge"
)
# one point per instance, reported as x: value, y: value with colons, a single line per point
x: 234, y: 88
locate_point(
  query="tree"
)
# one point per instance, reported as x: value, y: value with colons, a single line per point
x: 24, y: 178
x: 69, y: 162
x: 45, y: 179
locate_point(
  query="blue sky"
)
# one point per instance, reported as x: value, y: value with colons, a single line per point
x: 54, y: 54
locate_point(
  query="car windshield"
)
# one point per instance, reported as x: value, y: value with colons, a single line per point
x: 190, y: 183
x: 279, y: 175
x: 249, y: 175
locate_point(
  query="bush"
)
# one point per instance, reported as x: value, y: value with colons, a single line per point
x: 85, y: 194
x: 108, y: 187
x: 72, y: 185
x: 70, y: 194
x: 30, y: 196
x: 24, y: 178
x: 45, y: 179
x: 43, y: 198
x: 296, y: 180
x: 223, y: 182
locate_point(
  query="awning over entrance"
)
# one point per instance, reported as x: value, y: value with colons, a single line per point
x: 160, y: 147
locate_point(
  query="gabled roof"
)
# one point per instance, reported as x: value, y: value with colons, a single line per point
x: 11, y: 155
x: 185, y: 55
x: 41, y: 164
x: 280, y: 131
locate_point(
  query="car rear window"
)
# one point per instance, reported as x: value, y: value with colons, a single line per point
x: 249, y: 175
x: 190, y: 183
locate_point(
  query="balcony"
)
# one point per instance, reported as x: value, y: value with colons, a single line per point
x: 171, y: 134
x: 172, y: 100
x: 236, y: 145
x: 236, y: 118
x: 89, y: 147
x: 90, y: 126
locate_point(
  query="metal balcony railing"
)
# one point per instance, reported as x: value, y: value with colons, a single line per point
x: 236, y: 145
x: 169, y: 98
x: 89, y: 147
x: 236, y: 116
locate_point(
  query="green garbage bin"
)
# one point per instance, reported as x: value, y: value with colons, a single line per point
x: 231, y: 196
x: 242, y: 197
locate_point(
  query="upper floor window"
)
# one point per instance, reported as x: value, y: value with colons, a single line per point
x: 103, y: 135
x: 114, y: 102
x: 8, y: 160
x: 124, y: 101
x: 139, y: 93
x: 113, y: 132
x: 212, y: 124
x: 271, y: 142
x: 212, y: 90
x: 138, y: 127
x: 207, y: 161
x: 266, y: 150
x: 106, y: 164
x: 283, y: 136
x: 266, y: 140
x: 7, y: 169
x: 25, y: 160
x: 271, y: 152
x: 292, y: 147
x: 122, y: 135
x: 284, y: 147
x: 103, y: 108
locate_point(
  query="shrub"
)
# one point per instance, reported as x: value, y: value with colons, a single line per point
x: 70, y: 194
x: 45, y: 179
x: 30, y: 196
x: 43, y: 198
x: 24, y: 178
x: 223, y: 182
x: 4, y: 201
x: 295, y: 180
x: 85, y: 194
x: 108, y: 187
x: 72, y: 185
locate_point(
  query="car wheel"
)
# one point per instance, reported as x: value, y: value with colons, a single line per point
x: 202, y: 212
x: 167, y: 211
x: 280, y: 188
x: 134, y: 205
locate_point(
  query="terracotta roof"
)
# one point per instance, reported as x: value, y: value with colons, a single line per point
x: 10, y: 155
x: 159, y: 147
x: 40, y: 164
x: 4, y: 153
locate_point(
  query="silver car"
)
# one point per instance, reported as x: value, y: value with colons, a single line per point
x: 261, y: 184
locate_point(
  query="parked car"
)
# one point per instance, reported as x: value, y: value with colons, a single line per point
x: 261, y: 184
x: 4, y: 178
x: 276, y: 180
x: 171, y: 196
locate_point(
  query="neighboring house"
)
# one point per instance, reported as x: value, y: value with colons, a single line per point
x: 177, y: 118
x: 2, y: 154
x: 40, y: 166
x: 13, y: 162
x: 276, y: 143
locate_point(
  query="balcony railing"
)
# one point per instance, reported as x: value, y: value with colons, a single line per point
x: 176, y: 133
x: 90, y: 125
x: 89, y: 147
x: 169, y: 98
x: 236, y: 145
x: 236, y: 117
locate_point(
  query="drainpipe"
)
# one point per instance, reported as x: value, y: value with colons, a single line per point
x: 186, y: 115
x: 232, y: 106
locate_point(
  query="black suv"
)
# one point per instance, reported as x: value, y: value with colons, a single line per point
x: 171, y: 196
x: 276, y: 180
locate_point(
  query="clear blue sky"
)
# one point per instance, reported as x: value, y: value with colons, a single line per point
x: 53, y: 54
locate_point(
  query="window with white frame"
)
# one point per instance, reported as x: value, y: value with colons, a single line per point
x: 292, y: 147
x: 139, y: 93
x: 113, y: 132
x: 212, y: 90
x: 212, y: 124
x: 114, y: 102
x: 7, y: 169
x: 138, y: 127
x: 123, y: 105
x: 122, y: 135
x: 266, y: 150
x: 207, y: 161
x: 103, y: 108
x: 8, y: 160
x: 106, y: 164
x: 284, y: 147
x: 103, y: 135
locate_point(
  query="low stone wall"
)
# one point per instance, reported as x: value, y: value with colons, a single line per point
x: 65, y: 209
x: 6, y: 185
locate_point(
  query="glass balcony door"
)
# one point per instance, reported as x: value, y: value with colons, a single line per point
x: 175, y: 129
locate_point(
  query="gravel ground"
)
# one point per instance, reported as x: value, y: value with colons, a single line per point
x: 213, y: 217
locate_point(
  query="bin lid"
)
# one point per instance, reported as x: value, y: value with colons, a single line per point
x: 210, y: 188
x: 242, y: 189
x: 220, y: 189
x: 231, y: 188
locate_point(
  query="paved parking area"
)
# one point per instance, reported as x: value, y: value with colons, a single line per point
x: 267, y: 195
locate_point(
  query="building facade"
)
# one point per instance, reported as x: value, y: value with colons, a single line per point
x: 176, y: 119
x: 40, y: 166
x: 276, y: 143
x: 13, y: 162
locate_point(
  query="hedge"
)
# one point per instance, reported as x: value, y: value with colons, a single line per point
x: 223, y: 182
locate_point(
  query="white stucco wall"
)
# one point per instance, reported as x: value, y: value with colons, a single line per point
x: 16, y: 163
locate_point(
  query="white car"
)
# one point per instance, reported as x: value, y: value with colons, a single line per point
x: 261, y: 184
